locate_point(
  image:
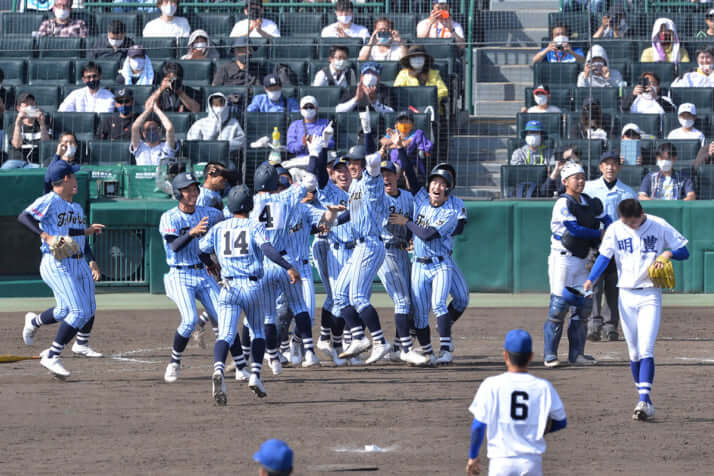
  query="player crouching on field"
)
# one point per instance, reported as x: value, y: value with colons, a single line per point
x: 575, y: 227
x: 642, y: 246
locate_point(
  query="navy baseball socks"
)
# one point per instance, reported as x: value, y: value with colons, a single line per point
x: 424, y: 337
x: 257, y: 350
x: 404, y: 339
x: 220, y: 352
x: 242, y: 373
x: 245, y: 342
x: 454, y: 313
x: 46, y: 317
x: 179, y: 346
x: 271, y: 341
x: 370, y: 317
x: 326, y: 325
x: 443, y: 324
x: 65, y: 333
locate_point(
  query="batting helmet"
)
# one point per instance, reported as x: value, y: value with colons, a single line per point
x: 356, y: 152
x: 265, y: 178
x: 445, y: 166
x: 240, y: 200
x: 182, y: 181
x: 446, y: 175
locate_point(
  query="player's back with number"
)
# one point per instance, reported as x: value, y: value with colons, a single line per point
x: 275, y: 211
x: 237, y: 243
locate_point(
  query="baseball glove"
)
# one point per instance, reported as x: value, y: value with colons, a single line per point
x: 63, y: 247
x: 664, y: 276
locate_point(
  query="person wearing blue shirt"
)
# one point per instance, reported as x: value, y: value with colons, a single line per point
x: 559, y: 50
x: 309, y: 125
x: 273, y: 99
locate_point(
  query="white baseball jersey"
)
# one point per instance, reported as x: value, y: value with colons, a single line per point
x: 636, y: 250
x: 515, y: 408
x: 561, y: 214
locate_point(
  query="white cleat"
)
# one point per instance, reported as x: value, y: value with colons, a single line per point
x: 242, y: 375
x: 452, y: 347
x: 445, y: 358
x: 325, y: 346
x: 275, y: 366
x: 172, y: 372
x: 643, y: 411
x: 54, y: 365
x: 310, y: 360
x: 199, y: 336
x: 85, y: 351
x: 284, y: 359
x: 29, y: 331
x: 584, y: 361
x: 394, y: 355
x: 256, y: 385
x: 295, y: 353
x: 551, y: 364
x: 229, y: 366
x: 219, y: 389
x: 356, y: 347
x: 415, y: 358
x: 379, y: 350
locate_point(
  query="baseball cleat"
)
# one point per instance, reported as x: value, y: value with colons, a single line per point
x: 356, y: 347
x: 284, y: 360
x: 415, y: 358
x: 172, y: 372
x: 643, y: 411
x: 452, y: 347
x: 593, y: 334
x: 29, y: 331
x: 310, y: 360
x: 611, y: 336
x: 275, y: 366
x: 256, y: 386
x: 379, y: 350
x: 393, y: 355
x: 584, y: 361
x: 295, y: 353
x: 325, y: 346
x: 551, y: 364
x: 219, y: 389
x: 199, y: 336
x: 85, y: 351
x: 54, y: 365
x: 445, y: 358
x: 432, y: 360
x: 229, y: 366
x: 242, y: 375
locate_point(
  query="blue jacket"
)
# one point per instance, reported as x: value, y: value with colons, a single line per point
x: 261, y: 103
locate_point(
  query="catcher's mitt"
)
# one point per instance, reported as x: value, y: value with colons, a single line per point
x: 63, y: 247
x: 664, y: 276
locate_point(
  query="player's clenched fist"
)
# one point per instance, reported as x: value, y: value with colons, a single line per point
x: 201, y: 228
x: 397, y: 219
x: 94, y: 229
x: 294, y: 275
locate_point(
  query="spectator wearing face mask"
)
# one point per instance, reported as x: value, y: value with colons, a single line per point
x: 137, y: 69
x: 707, y: 34
x: 534, y: 152
x: 613, y: 24
x: 273, y: 100
x: 665, y: 44
x: 667, y: 183
x: 62, y: 25
x: 236, y: 73
x: 91, y: 98
x: 67, y: 148
x: 687, y: 114
x: 646, y: 98
x: 172, y: 95
x: 146, y: 146
x: 309, y: 125
x: 254, y: 25
x: 559, y: 50
x: 113, y: 46
x: 167, y: 25
x: 200, y: 47
x: 385, y: 44
x: 369, y: 93
x: 541, y: 97
x: 338, y: 72
x: 118, y: 125
x: 418, y: 148
x: 597, y: 72
x: 31, y: 127
x: 702, y: 77
x: 218, y: 125
x: 418, y: 70
x: 344, y: 27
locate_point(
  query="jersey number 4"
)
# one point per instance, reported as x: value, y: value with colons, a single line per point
x: 519, y: 407
x: 266, y: 217
x: 239, y: 245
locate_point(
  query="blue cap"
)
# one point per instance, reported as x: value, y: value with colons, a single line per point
x: 370, y: 66
x: 533, y: 126
x: 388, y: 165
x: 59, y: 169
x: 518, y: 341
x: 275, y: 455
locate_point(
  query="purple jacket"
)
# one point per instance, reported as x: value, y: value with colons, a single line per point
x: 296, y: 132
x: 419, y: 142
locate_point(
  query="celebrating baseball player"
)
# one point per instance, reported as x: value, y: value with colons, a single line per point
x: 61, y: 225
x: 576, y: 232
x: 516, y: 409
x: 643, y: 247
x: 188, y: 278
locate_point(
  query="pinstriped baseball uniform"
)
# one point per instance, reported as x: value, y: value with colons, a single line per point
x: 395, y: 272
x: 210, y: 198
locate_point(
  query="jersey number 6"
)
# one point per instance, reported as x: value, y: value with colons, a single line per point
x: 519, y: 410
x: 240, y: 243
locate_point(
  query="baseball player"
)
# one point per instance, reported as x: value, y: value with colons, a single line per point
x: 576, y: 230
x: 188, y: 278
x: 610, y: 191
x: 240, y: 243
x: 516, y: 409
x: 642, y: 246
x: 61, y: 225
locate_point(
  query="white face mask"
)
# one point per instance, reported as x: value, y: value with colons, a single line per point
x: 686, y: 123
x: 137, y: 64
x: 274, y: 95
x: 200, y: 46
x: 115, y: 43
x: 168, y: 9
x: 533, y: 140
x: 344, y: 19
x: 71, y: 150
x: 218, y: 110
x: 417, y: 62
x: 541, y: 99
x: 664, y: 165
x: 705, y: 68
x: 339, y: 64
x: 308, y: 114
x: 369, y: 80
x: 61, y: 13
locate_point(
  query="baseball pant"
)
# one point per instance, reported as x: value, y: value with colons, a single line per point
x: 72, y: 285
x: 605, y: 313
x: 459, y: 290
x: 276, y: 281
x: 431, y: 283
x: 183, y: 287
x: 240, y: 294
x: 320, y: 250
x: 308, y: 291
x: 337, y: 258
x: 354, y: 283
x: 640, y: 312
x: 395, y: 275
x: 527, y: 465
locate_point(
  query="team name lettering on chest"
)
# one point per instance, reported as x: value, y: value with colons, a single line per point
x: 69, y: 218
x: 649, y: 244
x: 625, y: 245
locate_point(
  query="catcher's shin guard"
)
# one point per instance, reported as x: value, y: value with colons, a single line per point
x: 577, y: 330
x: 553, y: 327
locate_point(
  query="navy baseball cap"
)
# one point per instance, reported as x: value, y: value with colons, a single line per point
x: 610, y: 154
x: 388, y: 165
x: 340, y: 160
x: 59, y: 169
x: 271, y: 80
x: 518, y: 341
x: 275, y: 455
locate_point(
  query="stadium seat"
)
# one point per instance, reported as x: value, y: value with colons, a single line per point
x: 579, y: 23
x: 197, y: 72
x: 159, y: 48
x: 300, y: 24
x: 671, y: 121
x: 299, y: 67
x: 60, y: 47
x: 110, y: 67
x: 260, y: 47
x: 182, y: 122
x: 15, y: 71
x: 522, y: 181
x: 108, y: 152
x: 131, y: 21
x: 215, y: 24
x: 83, y: 124
x: 48, y: 149
x: 687, y: 149
x: 649, y: 123
x: 618, y: 50
x: 349, y: 126
x: 16, y: 47
x: 47, y: 97
x: 418, y: 97
x: 202, y: 150
x: 555, y: 74
x: 705, y: 181
x: 390, y: 69
x: 22, y: 24
x: 352, y: 44
x: 632, y: 175
x: 439, y: 48
x: 590, y: 150
x: 665, y: 71
x: 54, y: 71
x: 293, y: 48
x: 608, y: 97
x: 703, y: 98
x: 327, y: 97
x: 561, y: 97
x: 260, y: 124
x: 552, y: 122
x: 404, y: 23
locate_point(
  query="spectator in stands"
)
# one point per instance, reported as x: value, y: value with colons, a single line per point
x: 631, y: 132
x: 344, y: 27
x: 338, y: 72
x: 418, y: 70
x: 62, y: 25
x: 559, y: 50
x: 707, y: 34
x: 687, y: 114
x: 553, y: 185
x: 113, y: 46
x: 385, y: 44
x: 137, y: 69
x: 415, y: 142
x: 167, y: 25
x: 646, y: 97
x: 667, y: 183
x: 591, y: 125
x: 541, y: 96
x: 255, y: 26
x: 535, y: 151
x: 665, y: 44
x: 151, y: 150
x: 273, y: 99
x: 172, y: 95
x: 368, y: 93
x: 200, y: 47
x: 218, y: 124
x: 439, y: 24
x: 91, y: 98
x: 7, y: 101
x: 67, y: 149
x: 597, y: 72
x: 704, y: 156
x: 613, y: 25
x: 118, y: 125
x: 702, y: 77
x: 31, y: 127
x: 236, y: 73
x: 309, y: 125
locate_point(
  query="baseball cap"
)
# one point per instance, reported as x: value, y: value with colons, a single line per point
x: 124, y: 93
x: 571, y: 168
x: 371, y: 66
x: 340, y: 160
x: 309, y: 100
x: 687, y: 107
x: 59, y: 169
x: 440, y: 1
x: 631, y: 127
x: 518, y: 341
x: 271, y: 80
x: 388, y: 165
x: 136, y: 50
x: 710, y: 13
x: 275, y: 455
x: 541, y: 88
x: 533, y: 126
x: 609, y: 154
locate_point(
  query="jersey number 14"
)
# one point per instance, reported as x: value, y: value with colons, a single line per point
x: 235, y: 243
